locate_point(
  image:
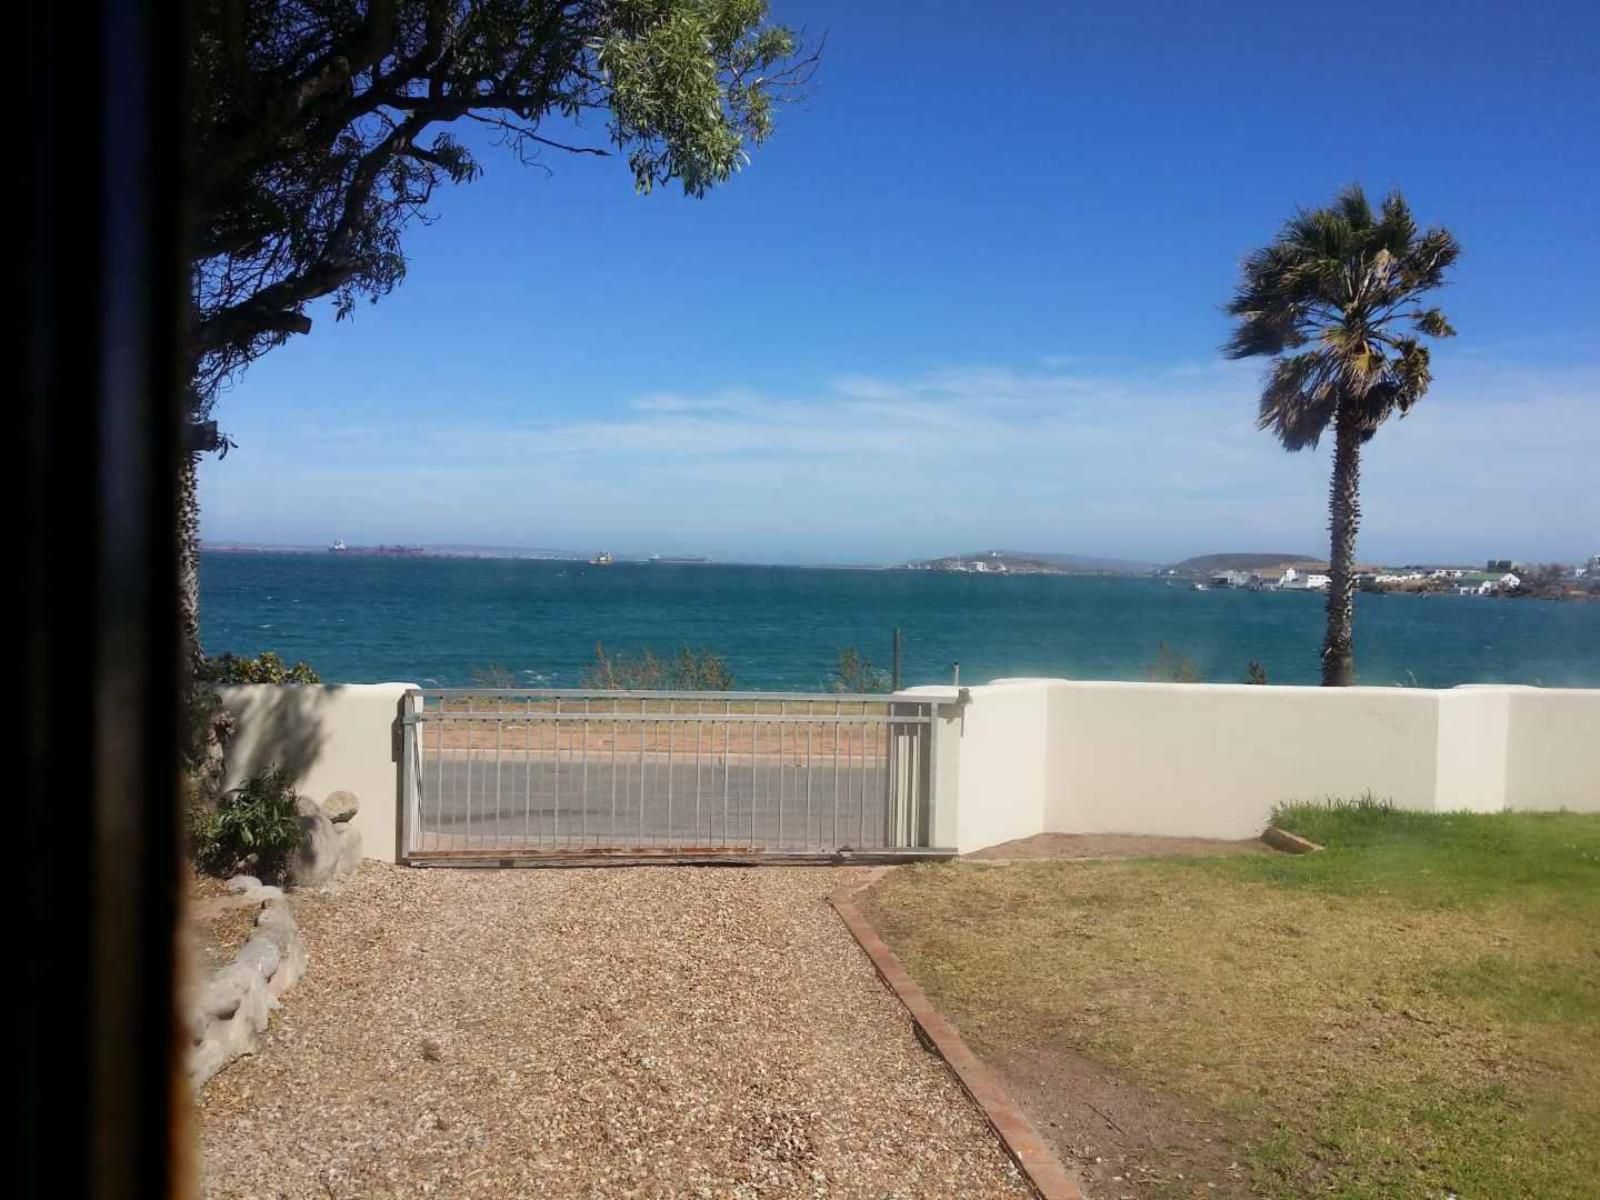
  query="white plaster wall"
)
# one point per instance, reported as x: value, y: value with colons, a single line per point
x: 331, y: 738
x: 1471, y: 770
x: 1211, y: 760
x: 998, y: 746
x: 1553, y: 749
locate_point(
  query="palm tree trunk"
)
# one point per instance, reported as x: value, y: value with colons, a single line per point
x: 1344, y: 515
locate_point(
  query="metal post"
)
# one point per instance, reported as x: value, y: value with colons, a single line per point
x: 411, y: 789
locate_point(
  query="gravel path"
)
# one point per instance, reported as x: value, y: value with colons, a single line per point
x: 651, y: 1032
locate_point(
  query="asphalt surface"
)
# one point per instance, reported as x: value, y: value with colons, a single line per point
x: 532, y: 802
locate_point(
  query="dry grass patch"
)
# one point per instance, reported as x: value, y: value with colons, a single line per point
x: 1415, y: 1012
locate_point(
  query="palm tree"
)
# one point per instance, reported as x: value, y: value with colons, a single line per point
x: 1348, y: 285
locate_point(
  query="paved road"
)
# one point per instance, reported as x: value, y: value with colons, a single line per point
x: 534, y: 802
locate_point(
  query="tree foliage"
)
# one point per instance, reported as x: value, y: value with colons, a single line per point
x: 1336, y: 300
x: 855, y: 673
x: 267, y: 667
x: 320, y: 129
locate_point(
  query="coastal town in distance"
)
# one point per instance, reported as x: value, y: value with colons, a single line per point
x: 1255, y: 572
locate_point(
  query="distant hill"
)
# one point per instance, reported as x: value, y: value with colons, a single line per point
x: 1039, y: 562
x: 1202, y: 563
x: 1085, y: 562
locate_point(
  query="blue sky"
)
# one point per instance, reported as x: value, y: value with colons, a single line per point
x: 969, y: 296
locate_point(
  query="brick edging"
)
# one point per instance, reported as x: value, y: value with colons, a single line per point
x: 1289, y: 843
x: 1022, y: 1142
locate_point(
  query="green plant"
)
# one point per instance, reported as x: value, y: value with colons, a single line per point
x: 1336, y: 301
x: 253, y: 825
x: 687, y: 671
x: 1255, y: 673
x: 854, y: 673
x: 267, y: 667
x: 1171, y: 666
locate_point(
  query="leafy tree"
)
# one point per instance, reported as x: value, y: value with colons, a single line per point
x: 1545, y: 580
x: 319, y: 131
x: 1336, y: 300
x: 1255, y: 673
x: 855, y: 674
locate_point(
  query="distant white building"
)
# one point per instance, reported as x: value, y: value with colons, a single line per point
x: 1294, y: 581
x: 1510, y: 580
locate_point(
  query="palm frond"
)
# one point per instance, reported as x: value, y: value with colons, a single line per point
x: 1347, y: 283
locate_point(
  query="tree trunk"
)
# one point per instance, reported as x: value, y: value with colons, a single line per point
x: 189, y: 557
x: 1344, y: 515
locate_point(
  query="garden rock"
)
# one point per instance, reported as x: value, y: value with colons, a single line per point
x: 243, y: 883
x: 229, y: 1013
x: 341, y: 806
x: 349, y: 855
x: 317, y: 857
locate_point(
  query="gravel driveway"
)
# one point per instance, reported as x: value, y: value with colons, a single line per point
x: 650, y: 1032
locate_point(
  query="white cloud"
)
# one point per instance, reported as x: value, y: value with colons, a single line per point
x: 1157, y: 462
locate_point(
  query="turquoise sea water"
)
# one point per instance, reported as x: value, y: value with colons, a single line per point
x: 433, y: 621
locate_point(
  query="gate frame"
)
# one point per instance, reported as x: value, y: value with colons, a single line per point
x: 933, y: 710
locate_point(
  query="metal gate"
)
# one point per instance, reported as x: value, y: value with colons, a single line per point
x: 540, y: 776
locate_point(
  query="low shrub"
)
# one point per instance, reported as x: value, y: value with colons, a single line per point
x: 687, y: 671
x: 1171, y: 666
x: 254, y: 826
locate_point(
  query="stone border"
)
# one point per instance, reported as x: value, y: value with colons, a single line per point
x: 1022, y: 1142
x: 229, y: 1013
x: 1289, y: 843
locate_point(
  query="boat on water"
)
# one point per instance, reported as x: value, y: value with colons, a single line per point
x: 603, y: 559
x: 338, y: 547
x: 1200, y: 587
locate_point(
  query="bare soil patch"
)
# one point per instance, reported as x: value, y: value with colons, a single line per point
x: 1122, y: 1139
x: 216, y: 924
x: 1114, y: 845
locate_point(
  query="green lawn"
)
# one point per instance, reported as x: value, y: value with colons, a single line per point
x: 1414, y: 1012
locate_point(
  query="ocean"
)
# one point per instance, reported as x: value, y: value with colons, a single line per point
x: 438, y: 622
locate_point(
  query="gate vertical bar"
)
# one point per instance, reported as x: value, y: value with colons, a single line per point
x: 499, y: 742
x: 584, y: 786
x: 410, y: 776
x: 438, y: 797
x: 615, y: 730
x: 527, y: 772
x: 642, y: 714
x: 672, y: 706
x: 810, y: 730
x: 727, y: 760
x: 555, y: 811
